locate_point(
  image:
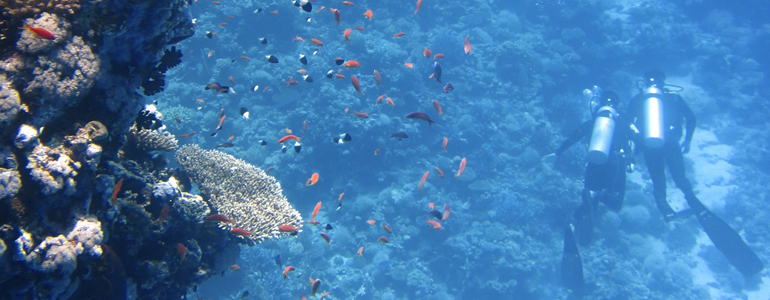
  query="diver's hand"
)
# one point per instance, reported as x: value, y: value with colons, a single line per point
x: 685, y: 146
x: 630, y: 168
x: 549, y: 159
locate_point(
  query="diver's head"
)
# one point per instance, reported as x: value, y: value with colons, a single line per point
x: 607, y: 98
x: 654, y: 77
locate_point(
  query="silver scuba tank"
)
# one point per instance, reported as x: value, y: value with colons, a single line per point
x: 601, y: 137
x: 654, y: 127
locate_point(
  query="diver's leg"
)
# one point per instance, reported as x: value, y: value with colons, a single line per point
x: 582, y: 220
x: 675, y: 162
x: 571, y: 266
x: 612, y: 195
x: 655, y: 166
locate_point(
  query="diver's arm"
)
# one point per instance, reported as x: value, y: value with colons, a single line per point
x: 578, y: 134
x: 689, y: 118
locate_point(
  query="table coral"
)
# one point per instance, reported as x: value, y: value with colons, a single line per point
x: 240, y: 190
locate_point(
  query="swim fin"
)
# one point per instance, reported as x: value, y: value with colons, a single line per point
x: 571, y: 266
x: 727, y: 241
x: 583, y: 223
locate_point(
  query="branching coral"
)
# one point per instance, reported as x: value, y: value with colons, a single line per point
x: 240, y: 191
x: 150, y: 140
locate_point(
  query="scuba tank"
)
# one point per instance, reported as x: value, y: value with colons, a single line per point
x: 601, y: 137
x: 653, y: 127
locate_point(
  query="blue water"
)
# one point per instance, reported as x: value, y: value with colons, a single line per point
x: 517, y: 94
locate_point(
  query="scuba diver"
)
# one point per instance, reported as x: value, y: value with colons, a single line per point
x: 658, y: 114
x: 608, y: 158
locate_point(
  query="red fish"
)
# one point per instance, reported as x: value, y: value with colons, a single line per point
x: 313, y: 180
x: 304, y: 125
x: 437, y: 106
x: 186, y: 135
x: 339, y: 76
x: 288, y: 137
x: 240, y: 231
x: 291, y: 81
x: 383, y: 240
x: 390, y: 101
x: 448, y: 87
x: 376, y: 151
x: 219, y: 218
x: 397, y: 35
x: 360, y: 28
x: 223, y: 24
x: 235, y: 267
x: 181, y: 250
x: 420, y: 116
x: 163, y: 214
x: 314, y: 286
x: 438, y: 56
x: 446, y: 213
x: 286, y: 271
x: 443, y: 144
x: 287, y: 228
x: 340, y: 198
x: 348, y: 3
x: 361, y: 251
x: 326, y: 238
x: 440, y: 174
x: 368, y: 14
x: 462, y: 167
x: 221, y: 120
x: 467, y: 45
x: 115, y: 191
x: 354, y: 79
x: 409, y: 65
x: 379, y: 99
x: 316, y: 209
x: 377, y: 77
x: 416, y: 9
x: 337, y: 15
x: 387, y: 228
x: 426, y: 52
x: 346, y: 35
x: 361, y: 115
x: 435, y: 224
x: 317, y: 42
x: 39, y: 32
x: 352, y: 64
x: 424, y: 177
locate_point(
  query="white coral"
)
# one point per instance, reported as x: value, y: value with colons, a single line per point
x: 88, y: 236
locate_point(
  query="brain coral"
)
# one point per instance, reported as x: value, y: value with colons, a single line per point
x: 240, y: 191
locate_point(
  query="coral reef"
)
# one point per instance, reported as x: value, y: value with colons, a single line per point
x: 240, y: 191
x: 150, y: 139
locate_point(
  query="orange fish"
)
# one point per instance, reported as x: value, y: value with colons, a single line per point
x: 416, y: 9
x: 339, y: 76
x: 287, y: 228
x: 222, y: 119
x: 231, y: 138
x: 440, y: 174
x: 346, y: 110
x: 211, y: 52
x: 115, y: 191
x: 467, y: 45
x: 346, y: 35
x: 462, y: 168
x: 288, y: 131
x: 390, y: 101
x: 244, y: 57
x: 354, y: 79
x: 320, y: 9
x: 230, y: 17
x: 291, y: 81
x: 360, y: 28
x: 219, y: 218
x: 304, y: 125
x: 186, y: 135
x: 361, y: 251
x: 426, y: 52
x: 348, y: 3
x: 446, y: 213
x: 361, y: 115
x: 273, y: 12
x: 379, y: 99
x: 337, y: 15
x: 297, y: 39
x: 302, y: 71
x: 409, y: 65
x: 286, y: 271
x: 371, y: 222
x: 368, y: 14
x: 340, y: 198
x: 443, y: 144
x: 223, y: 24
x: 181, y: 250
x: 199, y: 100
x: 438, y: 56
x: 231, y: 79
x: 376, y: 151
x: 387, y: 228
x: 435, y: 224
x: 39, y: 32
x: 235, y: 267
x: 313, y: 179
x: 316, y: 209
x: 163, y: 214
x: 377, y: 77
x: 431, y: 206
x: 437, y: 106
x: 383, y: 240
x: 352, y: 64
x: 317, y: 42
x: 424, y: 177
x: 216, y: 2
x: 288, y: 137
x: 400, y: 34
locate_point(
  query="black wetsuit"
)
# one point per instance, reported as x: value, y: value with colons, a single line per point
x: 676, y: 113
